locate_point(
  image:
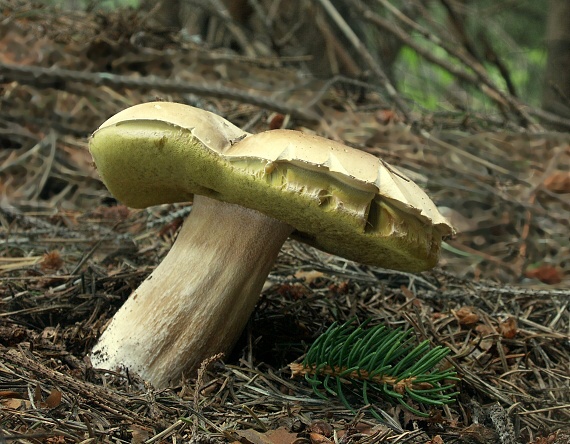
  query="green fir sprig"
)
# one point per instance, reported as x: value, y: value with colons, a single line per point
x: 377, y: 360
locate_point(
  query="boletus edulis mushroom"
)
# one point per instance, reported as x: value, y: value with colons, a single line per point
x: 249, y: 193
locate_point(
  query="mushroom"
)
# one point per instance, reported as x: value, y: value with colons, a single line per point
x: 249, y: 193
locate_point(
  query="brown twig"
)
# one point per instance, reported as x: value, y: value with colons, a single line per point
x: 53, y: 77
x: 218, y: 8
x: 399, y: 385
x: 100, y: 396
x: 368, y: 59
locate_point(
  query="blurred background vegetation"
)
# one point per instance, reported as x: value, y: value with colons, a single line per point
x: 507, y: 37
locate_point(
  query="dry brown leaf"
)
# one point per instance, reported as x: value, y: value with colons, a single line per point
x: 309, y: 276
x: 485, y: 330
x: 281, y: 436
x: 139, y: 434
x: 295, y: 291
x: 488, y: 336
x: 276, y: 121
x: 321, y: 427
x: 250, y: 436
x: 277, y: 436
x: 54, y: 399
x: 466, y: 316
x: 317, y: 438
x: 545, y: 273
x: 15, y: 403
x: 51, y: 261
x: 508, y: 328
x: 558, y: 182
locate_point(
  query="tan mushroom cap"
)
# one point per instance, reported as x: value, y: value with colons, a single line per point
x: 341, y: 200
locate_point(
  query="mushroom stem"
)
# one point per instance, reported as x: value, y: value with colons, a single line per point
x: 198, y: 300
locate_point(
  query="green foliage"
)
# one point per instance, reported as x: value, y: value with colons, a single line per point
x: 515, y: 33
x: 425, y: 83
x: 377, y: 361
x: 433, y: 88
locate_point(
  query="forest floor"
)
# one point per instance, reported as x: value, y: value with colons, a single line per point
x: 69, y: 255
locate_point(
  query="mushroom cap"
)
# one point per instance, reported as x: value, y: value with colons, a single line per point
x: 338, y: 199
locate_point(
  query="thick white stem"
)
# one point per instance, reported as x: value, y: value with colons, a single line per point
x: 198, y: 300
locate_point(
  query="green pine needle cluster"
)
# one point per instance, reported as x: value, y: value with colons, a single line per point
x: 377, y: 360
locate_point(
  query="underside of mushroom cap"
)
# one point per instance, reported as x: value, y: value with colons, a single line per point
x: 339, y: 199
x: 150, y: 154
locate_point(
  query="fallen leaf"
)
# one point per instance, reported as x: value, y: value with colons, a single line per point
x: 276, y: 121
x: 321, y: 427
x: 250, y: 436
x: 15, y: 403
x: 317, y: 438
x: 281, y: 436
x: 277, y: 436
x: 295, y: 291
x: 485, y: 330
x: 508, y: 328
x: 51, y: 261
x: 54, y: 399
x: 309, y: 276
x: 548, y: 274
x: 488, y: 336
x: 139, y: 434
x: 466, y: 316
x: 558, y: 182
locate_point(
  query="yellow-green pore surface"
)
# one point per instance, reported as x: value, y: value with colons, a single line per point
x: 341, y: 200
